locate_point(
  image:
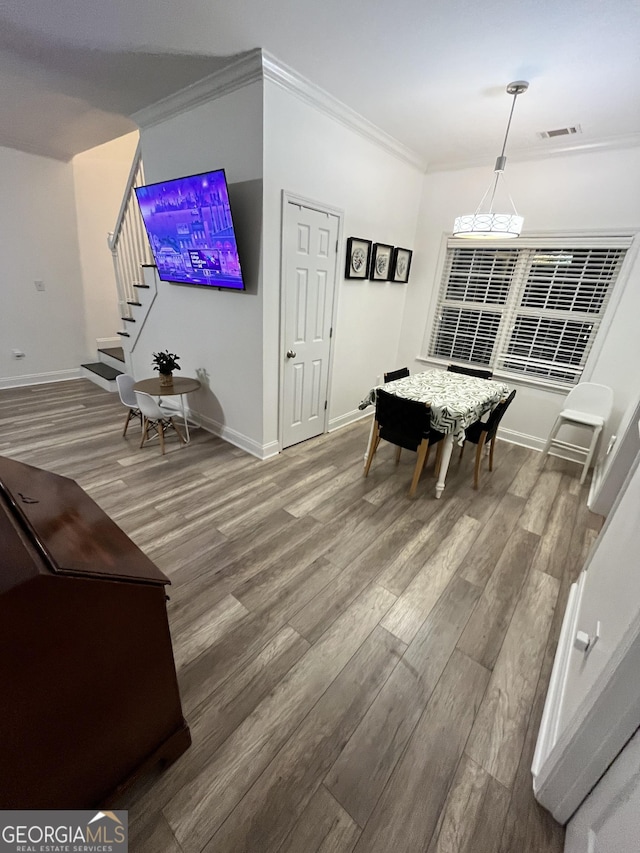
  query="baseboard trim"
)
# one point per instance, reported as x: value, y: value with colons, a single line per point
x: 40, y: 378
x: 532, y: 442
x: 349, y: 418
x: 523, y: 439
x: 548, y: 732
x: 261, y: 451
x: 106, y: 343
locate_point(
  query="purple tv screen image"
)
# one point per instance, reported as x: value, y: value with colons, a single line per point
x: 190, y: 230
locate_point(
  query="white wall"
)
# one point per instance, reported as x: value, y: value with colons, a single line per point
x: 234, y: 338
x: 217, y: 334
x: 100, y: 176
x: 610, y: 815
x: 38, y: 240
x: 310, y: 154
x: 591, y: 191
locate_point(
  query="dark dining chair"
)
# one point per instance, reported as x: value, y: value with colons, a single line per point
x: 404, y: 423
x: 481, y: 432
x: 397, y: 374
x: 470, y: 371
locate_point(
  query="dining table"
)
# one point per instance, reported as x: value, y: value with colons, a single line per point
x: 180, y: 386
x: 456, y: 400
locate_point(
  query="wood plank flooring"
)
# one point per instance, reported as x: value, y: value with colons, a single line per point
x: 360, y: 671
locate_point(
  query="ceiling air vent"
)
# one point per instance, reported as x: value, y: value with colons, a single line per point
x: 561, y: 131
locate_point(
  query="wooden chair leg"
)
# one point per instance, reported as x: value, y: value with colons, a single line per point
x: 145, y: 428
x: 491, y: 447
x: 422, y: 452
x: 476, y: 470
x: 398, y: 452
x: 373, y: 446
x: 126, y: 423
x: 426, y: 458
x: 464, y: 444
x: 160, y: 428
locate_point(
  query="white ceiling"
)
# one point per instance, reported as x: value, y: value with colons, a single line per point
x: 432, y: 73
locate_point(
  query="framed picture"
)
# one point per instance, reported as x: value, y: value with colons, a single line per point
x: 381, y: 262
x: 358, y: 258
x: 401, y: 264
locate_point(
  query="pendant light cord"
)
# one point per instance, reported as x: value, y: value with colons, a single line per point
x: 502, y: 161
x: 513, y: 106
x: 487, y: 223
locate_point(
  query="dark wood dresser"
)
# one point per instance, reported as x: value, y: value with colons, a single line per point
x: 88, y: 691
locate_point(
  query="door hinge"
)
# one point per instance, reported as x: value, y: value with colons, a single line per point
x: 336, y: 246
x: 325, y: 405
x: 331, y: 332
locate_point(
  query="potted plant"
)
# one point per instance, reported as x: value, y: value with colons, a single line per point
x: 165, y: 363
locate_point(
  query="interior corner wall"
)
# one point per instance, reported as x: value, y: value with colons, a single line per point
x: 216, y: 333
x: 311, y: 154
x: 100, y: 176
x: 39, y: 242
x: 596, y: 191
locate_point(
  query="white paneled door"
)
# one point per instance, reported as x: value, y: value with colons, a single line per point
x: 309, y: 265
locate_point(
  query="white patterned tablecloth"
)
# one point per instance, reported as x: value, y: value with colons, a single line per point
x: 456, y: 400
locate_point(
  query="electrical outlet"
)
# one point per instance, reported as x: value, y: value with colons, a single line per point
x: 39, y: 284
x: 17, y: 353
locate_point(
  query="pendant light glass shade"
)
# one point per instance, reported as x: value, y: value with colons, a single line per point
x: 487, y: 224
x: 496, y: 225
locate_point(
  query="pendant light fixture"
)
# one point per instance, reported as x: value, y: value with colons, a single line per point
x: 488, y: 223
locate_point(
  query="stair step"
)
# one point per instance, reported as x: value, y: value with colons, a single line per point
x: 114, y: 352
x: 130, y: 302
x: 103, y: 370
x: 128, y: 319
x: 124, y: 334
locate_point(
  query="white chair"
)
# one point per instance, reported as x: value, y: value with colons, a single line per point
x: 588, y: 405
x: 127, y: 395
x: 155, y: 417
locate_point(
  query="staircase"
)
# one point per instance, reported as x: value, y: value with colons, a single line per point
x: 103, y: 372
x: 129, y: 244
x: 135, y: 282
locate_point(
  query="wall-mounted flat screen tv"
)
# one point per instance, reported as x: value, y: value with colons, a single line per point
x: 191, y: 231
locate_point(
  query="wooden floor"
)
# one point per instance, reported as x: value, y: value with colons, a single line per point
x: 360, y: 671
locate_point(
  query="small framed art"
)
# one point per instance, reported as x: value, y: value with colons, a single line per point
x: 358, y: 258
x: 400, y: 265
x: 381, y: 256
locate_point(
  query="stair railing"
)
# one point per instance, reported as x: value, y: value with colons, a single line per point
x: 128, y: 240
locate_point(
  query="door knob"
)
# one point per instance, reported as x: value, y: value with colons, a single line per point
x: 291, y: 354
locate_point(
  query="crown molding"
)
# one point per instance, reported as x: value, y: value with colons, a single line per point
x: 259, y: 65
x: 237, y: 74
x: 610, y: 143
x: 285, y: 77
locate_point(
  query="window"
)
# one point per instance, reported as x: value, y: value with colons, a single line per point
x: 532, y: 309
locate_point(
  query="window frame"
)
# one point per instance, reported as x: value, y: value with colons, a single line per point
x: 627, y: 239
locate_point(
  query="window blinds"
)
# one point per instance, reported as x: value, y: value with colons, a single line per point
x: 532, y: 309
